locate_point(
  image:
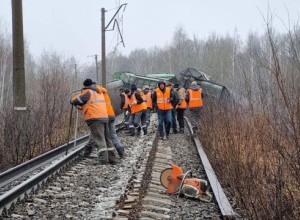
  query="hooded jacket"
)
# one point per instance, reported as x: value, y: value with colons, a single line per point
x: 171, y: 98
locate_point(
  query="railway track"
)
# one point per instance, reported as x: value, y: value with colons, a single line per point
x: 130, y: 189
x: 147, y: 198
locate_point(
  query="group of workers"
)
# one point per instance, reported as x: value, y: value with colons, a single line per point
x: 167, y: 100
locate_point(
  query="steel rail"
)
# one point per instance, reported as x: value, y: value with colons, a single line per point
x: 17, y: 193
x: 28, y: 166
x: 222, y: 200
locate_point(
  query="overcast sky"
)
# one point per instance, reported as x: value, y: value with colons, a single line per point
x: 73, y: 27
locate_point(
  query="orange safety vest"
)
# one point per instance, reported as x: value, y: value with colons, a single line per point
x: 149, y: 100
x: 125, y: 106
x: 183, y: 104
x: 195, y: 98
x: 162, y: 99
x: 135, y: 108
x: 95, y: 108
x: 144, y: 103
x: 109, y: 107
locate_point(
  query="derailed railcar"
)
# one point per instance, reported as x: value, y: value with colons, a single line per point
x: 114, y: 89
x: 212, y: 91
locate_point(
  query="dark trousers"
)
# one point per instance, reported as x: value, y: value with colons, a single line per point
x: 100, y: 137
x: 164, y: 118
x: 180, y: 117
x: 196, y: 114
x: 174, y: 124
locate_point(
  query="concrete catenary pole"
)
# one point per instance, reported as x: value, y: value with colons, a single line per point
x: 103, y: 58
x: 97, y: 74
x: 19, y: 94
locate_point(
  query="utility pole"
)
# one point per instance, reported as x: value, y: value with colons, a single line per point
x: 19, y: 92
x: 103, y: 29
x: 97, y: 74
x: 103, y: 60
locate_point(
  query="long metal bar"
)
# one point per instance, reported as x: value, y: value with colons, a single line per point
x: 223, y: 203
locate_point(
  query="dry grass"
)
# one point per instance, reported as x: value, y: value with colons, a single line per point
x: 259, y: 176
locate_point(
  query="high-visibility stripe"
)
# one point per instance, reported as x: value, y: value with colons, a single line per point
x: 195, y: 98
x: 79, y: 99
x: 162, y: 100
x: 95, y: 108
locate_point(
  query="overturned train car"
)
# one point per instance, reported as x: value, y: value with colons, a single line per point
x: 212, y: 91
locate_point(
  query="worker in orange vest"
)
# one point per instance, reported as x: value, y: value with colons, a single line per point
x: 194, y: 97
x: 143, y: 115
x: 162, y: 99
x: 124, y: 106
x: 111, y: 121
x: 148, y: 95
x: 95, y: 114
x: 111, y: 126
x: 136, y: 108
x: 181, y: 106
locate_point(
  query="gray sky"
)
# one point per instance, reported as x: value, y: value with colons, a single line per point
x: 73, y: 27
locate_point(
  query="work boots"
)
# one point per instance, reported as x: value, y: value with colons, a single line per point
x: 132, y: 131
x: 145, y: 130
x: 139, y: 130
x: 120, y: 150
x: 112, y: 157
x: 102, y: 158
x: 88, y: 148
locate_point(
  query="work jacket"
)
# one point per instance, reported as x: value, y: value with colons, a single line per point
x: 93, y: 105
x: 182, y: 103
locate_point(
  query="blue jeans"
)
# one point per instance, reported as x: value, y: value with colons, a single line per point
x: 164, y: 119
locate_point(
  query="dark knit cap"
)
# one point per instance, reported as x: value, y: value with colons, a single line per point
x: 161, y: 82
x: 176, y: 85
x: 133, y: 88
x: 88, y: 82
